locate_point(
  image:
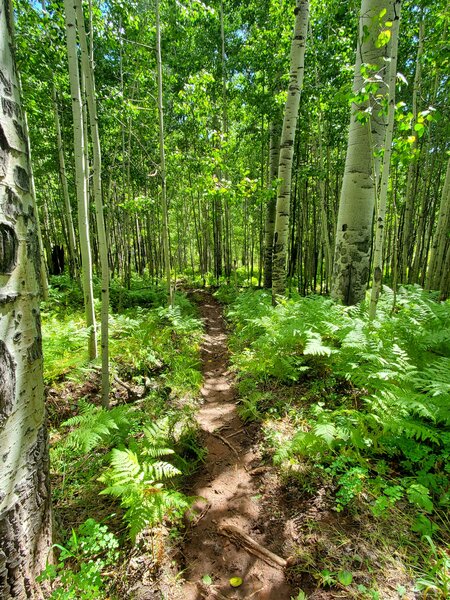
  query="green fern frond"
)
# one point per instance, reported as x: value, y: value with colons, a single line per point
x: 314, y: 344
x: 95, y: 425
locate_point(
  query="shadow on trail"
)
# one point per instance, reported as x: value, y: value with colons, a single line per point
x: 229, y: 493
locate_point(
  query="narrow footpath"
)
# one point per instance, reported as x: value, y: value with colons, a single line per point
x: 228, y: 488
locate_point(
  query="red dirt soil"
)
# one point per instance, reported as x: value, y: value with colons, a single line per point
x: 228, y: 490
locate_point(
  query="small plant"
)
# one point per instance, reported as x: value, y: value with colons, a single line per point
x: 137, y: 476
x: 435, y: 581
x: 300, y: 596
x: 78, y: 572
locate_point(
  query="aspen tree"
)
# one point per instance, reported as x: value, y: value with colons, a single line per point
x: 65, y: 189
x: 80, y: 175
x: 383, y: 191
x: 269, y: 228
x: 25, y: 523
x: 88, y: 70
x: 366, y: 133
x: 297, y: 69
x: 162, y: 158
x: 437, y: 260
x: 407, y: 237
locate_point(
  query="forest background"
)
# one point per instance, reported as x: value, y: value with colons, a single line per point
x: 166, y: 146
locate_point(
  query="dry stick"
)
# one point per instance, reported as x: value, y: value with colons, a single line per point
x: 235, y: 433
x: 226, y: 442
x: 131, y: 392
x: 238, y: 535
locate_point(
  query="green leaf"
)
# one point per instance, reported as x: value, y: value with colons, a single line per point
x: 235, y: 582
x: 207, y: 579
x: 420, y: 496
x: 345, y: 577
x: 326, y: 431
x: 383, y: 38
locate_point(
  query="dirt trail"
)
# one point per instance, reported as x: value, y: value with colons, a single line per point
x: 229, y: 490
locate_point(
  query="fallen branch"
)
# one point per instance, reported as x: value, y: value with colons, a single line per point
x: 235, y: 433
x: 226, y: 442
x: 239, y: 536
x: 131, y: 392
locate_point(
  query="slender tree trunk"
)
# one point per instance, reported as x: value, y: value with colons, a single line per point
x: 410, y: 191
x: 44, y: 280
x: 383, y: 193
x: 269, y: 230
x: 88, y: 70
x: 297, y: 69
x: 25, y: 522
x: 65, y: 189
x: 440, y: 239
x: 165, y: 216
x: 80, y: 175
x: 354, y: 226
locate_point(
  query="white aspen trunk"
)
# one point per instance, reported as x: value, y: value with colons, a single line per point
x: 297, y: 69
x: 440, y: 239
x: 383, y: 191
x: 25, y: 521
x: 65, y: 188
x: 80, y: 175
x: 44, y: 280
x: 409, y: 200
x: 88, y: 69
x: 165, y: 216
x: 354, y: 224
x: 269, y: 229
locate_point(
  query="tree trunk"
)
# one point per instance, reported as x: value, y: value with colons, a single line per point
x: 297, y: 69
x: 65, y: 188
x: 165, y: 216
x: 88, y: 70
x: 410, y: 188
x: 25, y: 523
x: 269, y: 230
x: 366, y: 133
x: 383, y: 193
x: 80, y: 175
x: 440, y: 239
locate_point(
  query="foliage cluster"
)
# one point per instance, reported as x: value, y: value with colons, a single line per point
x: 371, y: 399
x: 135, y: 452
x: 145, y: 340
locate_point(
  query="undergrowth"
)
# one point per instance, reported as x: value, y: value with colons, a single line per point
x: 360, y: 407
x: 123, y: 465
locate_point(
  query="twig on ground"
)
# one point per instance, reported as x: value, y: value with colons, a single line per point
x: 239, y: 536
x: 235, y: 433
x: 226, y: 442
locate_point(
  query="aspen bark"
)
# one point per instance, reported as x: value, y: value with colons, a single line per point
x: 65, y: 188
x: 410, y: 191
x: 80, y: 175
x: 383, y: 191
x: 440, y: 238
x: 354, y: 225
x: 25, y: 523
x: 44, y: 280
x: 297, y: 69
x: 88, y: 70
x: 269, y: 229
x: 165, y: 216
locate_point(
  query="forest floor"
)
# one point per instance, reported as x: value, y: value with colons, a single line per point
x: 231, y: 487
x: 239, y: 495
x: 238, y: 486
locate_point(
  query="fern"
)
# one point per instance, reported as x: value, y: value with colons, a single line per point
x: 95, y: 425
x: 399, y: 366
x: 138, y: 477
